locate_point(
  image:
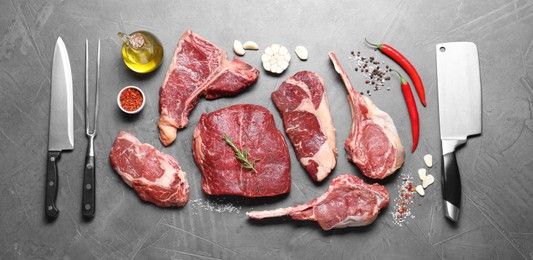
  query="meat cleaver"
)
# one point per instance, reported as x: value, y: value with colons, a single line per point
x: 459, y: 91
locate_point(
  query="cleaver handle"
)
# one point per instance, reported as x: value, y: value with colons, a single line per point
x: 50, y: 208
x: 451, y: 179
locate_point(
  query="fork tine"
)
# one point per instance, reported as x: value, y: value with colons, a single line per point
x: 97, y: 87
x: 86, y: 86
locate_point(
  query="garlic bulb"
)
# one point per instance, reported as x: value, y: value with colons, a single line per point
x: 276, y: 58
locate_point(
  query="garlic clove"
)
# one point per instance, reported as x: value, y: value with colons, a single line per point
x: 250, y: 45
x: 283, y: 50
x: 267, y: 66
x: 422, y: 174
x: 265, y: 58
x: 301, y: 52
x: 287, y: 57
x: 283, y: 64
x: 268, y: 51
x: 428, y: 159
x: 237, y: 48
x: 428, y: 181
x: 275, y: 48
x: 274, y: 67
x: 420, y: 190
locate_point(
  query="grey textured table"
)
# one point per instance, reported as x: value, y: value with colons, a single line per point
x: 497, y: 209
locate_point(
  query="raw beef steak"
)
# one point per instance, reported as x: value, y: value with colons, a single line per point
x: 304, y: 107
x: 348, y: 202
x: 154, y: 175
x: 249, y: 127
x: 373, y: 145
x: 198, y: 68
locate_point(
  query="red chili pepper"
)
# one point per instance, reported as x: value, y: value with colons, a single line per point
x: 413, y: 112
x: 406, y: 65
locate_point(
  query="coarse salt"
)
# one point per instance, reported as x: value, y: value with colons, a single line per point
x: 215, y: 206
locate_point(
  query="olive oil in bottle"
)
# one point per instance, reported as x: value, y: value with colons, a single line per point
x: 142, y: 52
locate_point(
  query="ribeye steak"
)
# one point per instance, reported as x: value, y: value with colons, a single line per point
x: 373, y: 145
x: 348, y: 202
x: 249, y: 127
x: 154, y: 175
x: 198, y: 68
x: 304, y: 107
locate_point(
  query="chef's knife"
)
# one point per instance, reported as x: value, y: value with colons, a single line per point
x: 459, y: 90
x: 61, y: 131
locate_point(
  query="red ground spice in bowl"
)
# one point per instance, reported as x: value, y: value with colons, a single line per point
x: 131, y: 99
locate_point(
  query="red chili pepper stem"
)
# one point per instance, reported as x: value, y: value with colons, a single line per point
x: 377, y: 46
x: 406, y: 65
x: 402, y: 79
x: 411, y: 108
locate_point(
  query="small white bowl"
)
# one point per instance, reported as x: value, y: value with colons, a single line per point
x: 131, y: 112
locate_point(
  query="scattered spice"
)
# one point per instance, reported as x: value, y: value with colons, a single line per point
x: 131, y: 99
x: 402, y: 211
x: 375, y: 76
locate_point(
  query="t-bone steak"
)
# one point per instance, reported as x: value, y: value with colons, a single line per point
x: 348, y: 202
x: 304, y: 107
x: 249, y: 127
x: 154, y: 175
x: 198, y: 68
x: 373, y: 144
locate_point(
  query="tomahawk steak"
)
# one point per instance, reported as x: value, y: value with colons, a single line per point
x: 250, y: 128
x: 348, y: 202
x: 154, y: 175
x: 198, y: 68
x: 304, y: 107
x: 373, y: 144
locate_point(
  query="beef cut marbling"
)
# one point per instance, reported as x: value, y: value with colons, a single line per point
x: 348, y: 202
x: 303, y: 104
x: 154, y: 175
x: 198, y: 68
x: 250, y: 127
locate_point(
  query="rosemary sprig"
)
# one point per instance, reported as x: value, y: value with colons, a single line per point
x: 242, y: 156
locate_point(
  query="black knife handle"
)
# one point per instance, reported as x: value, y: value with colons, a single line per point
x: 451, y: 184
x: 88, y: 196
x: 52, y: 182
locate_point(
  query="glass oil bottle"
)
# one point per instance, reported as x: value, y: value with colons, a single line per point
x: 142, y: 52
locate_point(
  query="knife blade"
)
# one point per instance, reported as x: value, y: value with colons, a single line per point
x: 459, y: 95
x: 61, y: 129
